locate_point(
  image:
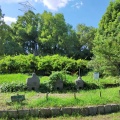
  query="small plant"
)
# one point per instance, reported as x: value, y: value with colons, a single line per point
x: 54, y: 77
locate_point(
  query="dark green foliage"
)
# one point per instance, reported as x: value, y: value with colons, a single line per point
x: 85, y: 37
x: 107, y: 42
x: 40, y: 65
x: 56, y: 76
x: 90, y: 86
x: 13, y: 87
x: 44, y: 87
x: 69, y: 86
x: 45, y: 34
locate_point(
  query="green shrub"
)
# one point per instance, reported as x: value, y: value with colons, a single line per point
x: 13, y: 87
x: 41, y: 65
x: 56, y: 76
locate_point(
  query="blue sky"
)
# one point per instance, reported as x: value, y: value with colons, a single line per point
x: 88, y: 12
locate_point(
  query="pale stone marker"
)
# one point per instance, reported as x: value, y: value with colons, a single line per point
x: 79, y: 83
x: 33, y: 83
x: 96, y: 75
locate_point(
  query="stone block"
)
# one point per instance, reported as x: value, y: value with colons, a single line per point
x: 45, y: 112
x: 34, y: 112
x: 58, y: 85
x: 75, y: 111
x: 100, y: 109
x: 66, y: 110
x: 23, y: 113
x: 115, y: 107
x: 107, y: 109
x: 92, y: 110
x: 13, y: 114
x: 79, y: 83
x: 3, y: 113
x: 56, y: 111
x: 119, y: 107
x: 84, y: 111
x: 33, y: 83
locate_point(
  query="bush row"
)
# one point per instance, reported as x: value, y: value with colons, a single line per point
x: 44, y: 87
x: 40, y: 64
x: 48, y: 86
x: 13, y: 87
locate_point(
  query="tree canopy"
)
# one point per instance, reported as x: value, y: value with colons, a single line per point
x: 47, y: 34
x: 107, y: 41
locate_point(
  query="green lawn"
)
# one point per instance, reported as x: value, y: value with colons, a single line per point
x: 8, y: 78
x: 38, y: 99
x: 83, y: 98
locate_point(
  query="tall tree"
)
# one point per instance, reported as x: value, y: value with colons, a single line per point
x: 85, y: 36
x: 2, y: 32
x: 26, y: 32
x: 55, y: 35
x: 7, y: 45
x: 107, y: 41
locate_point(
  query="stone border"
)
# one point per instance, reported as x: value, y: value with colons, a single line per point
x: 53, y: 112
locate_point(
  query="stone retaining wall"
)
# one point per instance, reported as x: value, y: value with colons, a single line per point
x: 49, y: 112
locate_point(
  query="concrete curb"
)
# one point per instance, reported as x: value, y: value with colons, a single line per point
x: 53, y: 112
x: 66, y: 110
x: 100, y: 109
x: 56, y: 111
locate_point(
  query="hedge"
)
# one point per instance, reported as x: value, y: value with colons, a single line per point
x: 40, y: 64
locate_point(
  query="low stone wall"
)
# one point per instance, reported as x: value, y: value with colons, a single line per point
x: 52, y: 112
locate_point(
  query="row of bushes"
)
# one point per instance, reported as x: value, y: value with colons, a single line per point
x: 40, y: 64
x: 46, y: 86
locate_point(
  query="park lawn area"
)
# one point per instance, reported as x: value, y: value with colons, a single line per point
x: 21, y: 78
x: 83, y: 98
x: 56, y: 99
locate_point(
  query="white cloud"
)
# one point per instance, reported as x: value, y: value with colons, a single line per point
x: 54, y: 4
x: 50, y: 4
x: 9, y: 20
x: 78, y: 4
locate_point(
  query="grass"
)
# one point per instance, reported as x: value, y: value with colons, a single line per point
x: 105, y: 80
x: 9, y: 78
x: 83, y: 98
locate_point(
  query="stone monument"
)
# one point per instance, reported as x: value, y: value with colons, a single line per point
x: 79, y: 83
x: 33, y: 83
x: 58, y: 85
